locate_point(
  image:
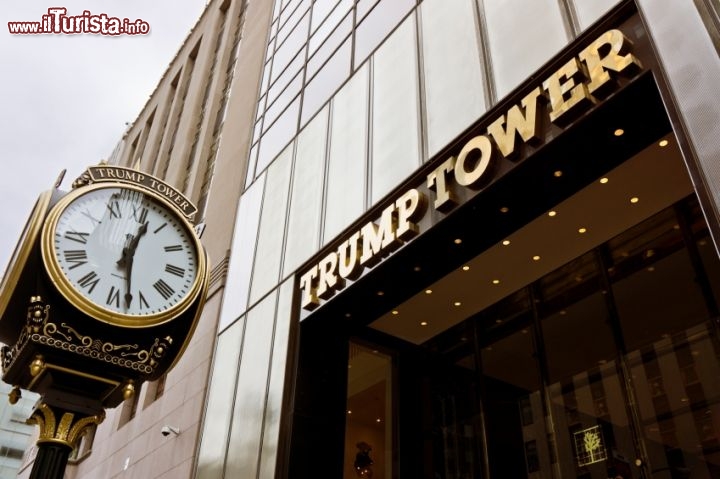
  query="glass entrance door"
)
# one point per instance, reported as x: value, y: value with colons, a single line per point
x: 607, y: 367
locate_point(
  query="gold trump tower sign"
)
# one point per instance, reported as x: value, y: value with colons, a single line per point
x: 572, y: 89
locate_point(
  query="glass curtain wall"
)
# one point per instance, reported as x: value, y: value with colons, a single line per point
x: 605, y: 367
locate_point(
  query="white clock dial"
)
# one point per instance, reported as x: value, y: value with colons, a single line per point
x: 125, y: 252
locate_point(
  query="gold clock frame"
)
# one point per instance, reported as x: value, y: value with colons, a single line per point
x: 70, y: 293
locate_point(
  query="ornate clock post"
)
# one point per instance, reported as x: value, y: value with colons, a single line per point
x: 103, y: 292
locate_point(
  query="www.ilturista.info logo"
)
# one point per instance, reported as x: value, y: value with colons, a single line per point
x: 58, y: 22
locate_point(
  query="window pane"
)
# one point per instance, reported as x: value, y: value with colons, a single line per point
x: 653, y: 278
x: 523, y: 34
x: 280, y: 79
x: 453, y: 76
x: 395, y: 130
x: 306, y: 196
x: 590, y: 10
x: 377, y: 25
x: 211, y: 456
x: 273, y: 411
x: 321, y: 9
x: 242, y: 252
x: 328, y: 79
x: 251, y: 392
x: 274, y: 109
x: 332, y: 42
x: 292, y: 44
x: 266, y: 269
x: 332, y: 20
x: 278, y: 135
x: 292, y: 20
x: 348, y: 155
x: 363, y: 7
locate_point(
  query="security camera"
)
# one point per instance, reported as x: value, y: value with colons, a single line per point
x: 167, y: 430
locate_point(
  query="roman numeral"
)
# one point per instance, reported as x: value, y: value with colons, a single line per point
x: 89, y: 281
x: 143, y: 301
x: 164, y: 289
x: 140, y: 214
x: 77, y: 236
x: 174, y: 270
x: 160, y: 227
x: 113, y: 297
x: 77, y: 257
x: 114, y: 208
x: 175, y: 247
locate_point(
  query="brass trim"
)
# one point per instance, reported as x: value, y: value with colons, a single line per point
x: 25, y: 245
x: 115, y: 318
x: 75, y: 372
x: 65, y: 432
x: 196, y: 319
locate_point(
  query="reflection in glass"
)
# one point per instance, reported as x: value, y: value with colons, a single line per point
x: 347, y: 161
x: 326, y: 82
x: 395, y: 110
x: 329, y: 23
x: 523, y: 34
x: 377, y: 25
x: 332, y: 42
x: 368, y: 426
x: 292, y: 44
x: 306, y: 194
x: 588, y: 12
x: 454, y: 95
x: 213, y: 445
x: 278, y: 135
x: 241, y: 254
x: 266, y: 268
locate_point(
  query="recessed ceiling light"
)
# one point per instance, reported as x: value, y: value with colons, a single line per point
x: 558, y: 173
x: 536, y: 258
x: 506, y: 242
x: 380, y: 293
x: 634, y: 199
x: 428, y: 291
x: 457, y: 303
x: 416, y: 268
x: 349, y: 412
x: 498, y: 321
x: 465, y: 268
x: 563, y: 312
x: 582, y: 230
x: 347, y: 315
x: 603, y: 180
x: 619, y: 132
x: 423, y: 323
x: 496, y: 281
x: 663, y: 143
x: 457, y: 241
x: 552, y: 213
x: 504, y: 209
x: 524, y: 331
x: 651, y: 268
x: 395, y: 312
x: 377, y: 420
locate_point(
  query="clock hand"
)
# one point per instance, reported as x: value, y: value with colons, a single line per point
x: 128, y: 254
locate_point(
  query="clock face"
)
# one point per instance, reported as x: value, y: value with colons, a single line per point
x: 125, y: 253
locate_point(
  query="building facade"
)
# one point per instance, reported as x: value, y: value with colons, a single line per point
x: 449, y: 239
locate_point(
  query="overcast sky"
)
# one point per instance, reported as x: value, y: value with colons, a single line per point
x: 65, y: 99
